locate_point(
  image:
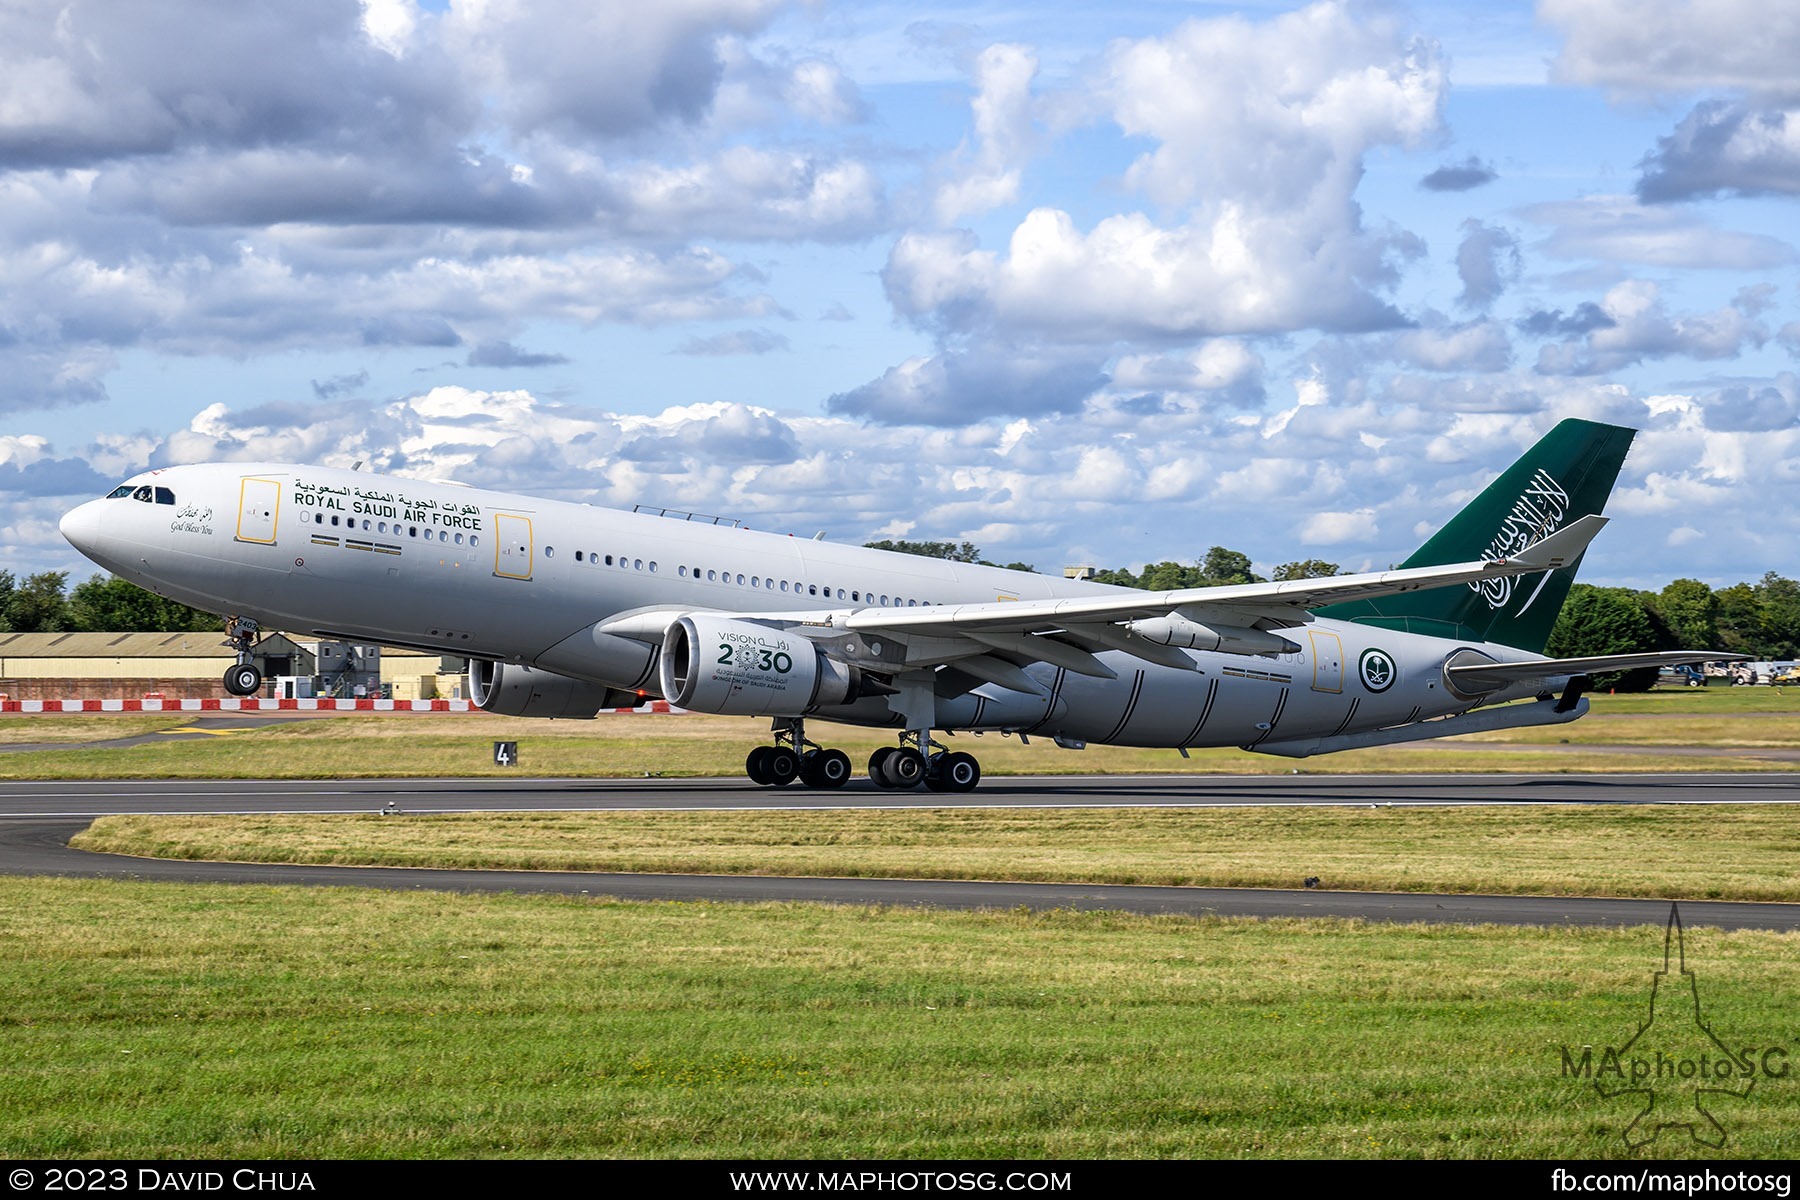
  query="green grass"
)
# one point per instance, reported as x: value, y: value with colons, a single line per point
x: 1745, y: 852
x: 205, y: 1021
x: 626, y: 746
x: 74, y: 728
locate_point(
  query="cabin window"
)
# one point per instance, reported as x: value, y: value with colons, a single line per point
x: 637, y: 564
x: 756, y: 581
x: 681, y: 571
x: 549, y: 551
x: 711, y: 577
x: 334, y: 520
x: 784, y: 585
x: 473, y: 540
x: 412, y: 531
x: 653, y: 566
x: 884, y: 601
x: 609, y: 560
x: 740, y: 581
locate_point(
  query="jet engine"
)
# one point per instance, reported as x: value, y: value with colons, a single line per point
x: 715, y: 664
x: 512, y: 690
x: 1189, y: 634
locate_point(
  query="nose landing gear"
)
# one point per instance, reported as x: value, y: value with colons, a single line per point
x: 244, y: 679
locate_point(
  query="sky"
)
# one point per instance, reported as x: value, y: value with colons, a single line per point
x: 1080, y: 283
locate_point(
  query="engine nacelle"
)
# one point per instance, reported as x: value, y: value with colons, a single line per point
x: 511, y: 690
x: 715, y: 664
x: 1187, y: 634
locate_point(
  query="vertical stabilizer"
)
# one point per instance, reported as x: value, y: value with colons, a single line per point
x: 1568, y: 474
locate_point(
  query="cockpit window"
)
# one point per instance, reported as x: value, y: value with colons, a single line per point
x: 164, y: 496
x: 142, y: 493
x: 124, y: 489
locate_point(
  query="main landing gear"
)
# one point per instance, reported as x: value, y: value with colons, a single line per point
x: 244, y: 679
x: 893, y: 767
x: 918, y: 760
x: 794, y: 757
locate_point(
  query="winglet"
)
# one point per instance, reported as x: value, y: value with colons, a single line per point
x: 1560, y: 548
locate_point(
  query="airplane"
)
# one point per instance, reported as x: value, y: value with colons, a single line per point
x: 566, y: 609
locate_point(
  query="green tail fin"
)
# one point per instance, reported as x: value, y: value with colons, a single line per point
x: 1568, y: 474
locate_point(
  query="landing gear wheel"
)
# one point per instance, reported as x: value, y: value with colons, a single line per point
x: 756, y: 766
x: 903, y: 769
x: 243, y: 680
x: 781, y: 765
x: 876, y: 761
x: 825, y: 769
x: 958, y: 772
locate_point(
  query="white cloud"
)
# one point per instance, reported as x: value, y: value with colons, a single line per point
x: 1487, y: 261
x: 1676, y: 46
x: 962, y: 387
x: 1619, y: 229
x: 1473, y: 346
x: 1725, y: 147
x: 1639, y: 326
x: 390, y: 24
x: 600, y: 70
x: 989, y: 172
x: 1337, y: 528
x: 754, y: 193
x: 1224, y: 368
x: 1260, y: 131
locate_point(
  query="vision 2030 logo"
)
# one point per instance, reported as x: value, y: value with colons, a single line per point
x: 1675, y: 1067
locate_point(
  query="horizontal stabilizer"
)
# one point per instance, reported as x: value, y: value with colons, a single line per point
x: 1560, y: 548
x: 1475, y: 677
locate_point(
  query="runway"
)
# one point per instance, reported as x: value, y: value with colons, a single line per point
x: 101, y: 798
x: 37, y: 819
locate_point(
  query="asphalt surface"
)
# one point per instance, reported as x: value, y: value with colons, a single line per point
x: 37, y: 819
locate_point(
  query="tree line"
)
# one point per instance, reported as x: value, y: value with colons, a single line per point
x: 104, y: 604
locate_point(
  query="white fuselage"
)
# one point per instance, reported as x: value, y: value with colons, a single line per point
x: 511, y: 578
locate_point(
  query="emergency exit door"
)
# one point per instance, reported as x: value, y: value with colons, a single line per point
x: 259, y: 503
x: 512, y: 546
x: 1328, y: 661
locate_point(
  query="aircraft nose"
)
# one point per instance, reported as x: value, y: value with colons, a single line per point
x: 81, y: 526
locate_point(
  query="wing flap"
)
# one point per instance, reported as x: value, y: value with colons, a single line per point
x: 1283, y: 601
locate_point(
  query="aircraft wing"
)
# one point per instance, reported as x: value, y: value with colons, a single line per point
x: 992, y: 640
x: 1480, y: 676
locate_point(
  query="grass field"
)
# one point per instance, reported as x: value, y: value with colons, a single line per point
x: 1706, y: 729
x: 1746, y: 852
x: 204, y: 1021
x: 159, y: 1020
